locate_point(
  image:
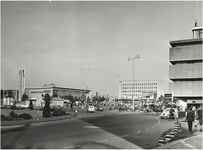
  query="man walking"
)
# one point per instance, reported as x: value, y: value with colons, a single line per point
x: 190, y: 118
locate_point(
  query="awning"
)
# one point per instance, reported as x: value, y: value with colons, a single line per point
x: 194, y: 101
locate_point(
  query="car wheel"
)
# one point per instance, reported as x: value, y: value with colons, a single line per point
x: 19, y: 107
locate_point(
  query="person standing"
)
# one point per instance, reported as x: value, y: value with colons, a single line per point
x: 190, y: 118
x: 200, y: 118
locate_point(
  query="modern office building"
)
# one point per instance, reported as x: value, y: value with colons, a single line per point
x: 185, y: 70
x: 141, y: 89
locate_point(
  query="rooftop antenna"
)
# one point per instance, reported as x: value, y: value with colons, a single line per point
x: 196, y: 14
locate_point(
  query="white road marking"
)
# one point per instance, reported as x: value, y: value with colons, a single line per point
x: 147, y: 129
x: 136, y: 136
x: 138, y: 131
x: 152, y: 126
x: 102, y: 141
x: 90, y: 127
x: 69, y: 147
x: 124, y: 135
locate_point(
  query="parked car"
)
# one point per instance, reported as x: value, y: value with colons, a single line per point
x: 166, y: 113
x: 21, y: 105
x: 100, y: 108
x: 90, y: 109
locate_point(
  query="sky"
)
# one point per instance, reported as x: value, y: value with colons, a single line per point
x: 86, y: 44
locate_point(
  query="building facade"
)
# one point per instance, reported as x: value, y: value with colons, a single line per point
x: 140, y: 89
x: 36, y: 93
x: 185, y: 70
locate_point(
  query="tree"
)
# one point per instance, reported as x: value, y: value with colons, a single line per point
x: 46, y: 109
x: 24, y: 97
x: 161, y: 98
x: 102, y: 98
x: 55, y: 95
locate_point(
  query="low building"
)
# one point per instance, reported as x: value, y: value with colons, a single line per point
x: 36, y: 93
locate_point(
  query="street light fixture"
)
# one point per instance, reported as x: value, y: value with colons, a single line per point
x: 130, y: 58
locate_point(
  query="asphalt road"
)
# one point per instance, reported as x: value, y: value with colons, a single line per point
x: 106, y: 130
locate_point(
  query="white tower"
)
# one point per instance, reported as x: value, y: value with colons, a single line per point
x: 21, y: 83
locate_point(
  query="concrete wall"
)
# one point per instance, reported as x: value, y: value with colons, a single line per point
x: 186, y: 88
x: 185, y: 70
x: 189, y: 52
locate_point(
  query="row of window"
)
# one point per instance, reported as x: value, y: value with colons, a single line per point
x: 138, y: 87
x: 139, y: 95
x: 137, y: 91
x: 130, y: 84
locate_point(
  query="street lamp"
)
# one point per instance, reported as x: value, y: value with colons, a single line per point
x: 130, y: 58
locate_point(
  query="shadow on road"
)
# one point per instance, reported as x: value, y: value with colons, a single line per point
x: 11, y: 144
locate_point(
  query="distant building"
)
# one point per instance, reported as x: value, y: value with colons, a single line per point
x: 141, y: 89
x: 185, y: 70
x: 60, y: 91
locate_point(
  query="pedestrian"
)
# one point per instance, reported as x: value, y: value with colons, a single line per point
x: 171, y: 113
x: 194, y: 110
x: 200, y: 118
x: 196, y: 122
x: 186, y: 109
x: 190, y: 118
x: 76, y: 113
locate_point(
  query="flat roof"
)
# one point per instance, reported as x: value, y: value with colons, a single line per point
x: 59, y: 88
x: 197, y: 28
x: 142, y: 81
x: 186, y: 42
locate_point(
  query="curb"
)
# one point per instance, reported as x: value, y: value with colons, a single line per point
x: 178, y: 141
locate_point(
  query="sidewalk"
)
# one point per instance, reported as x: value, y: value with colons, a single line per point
x: 193, y: 142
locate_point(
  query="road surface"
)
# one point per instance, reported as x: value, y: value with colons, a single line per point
x: 106, y: 130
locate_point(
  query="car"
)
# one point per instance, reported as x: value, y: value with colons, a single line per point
x: 90, y: 109
x: 100, y: 108
x: 166, y: 113
x: 20, y: 105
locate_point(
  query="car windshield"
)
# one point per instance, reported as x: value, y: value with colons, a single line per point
x: 166, y: 110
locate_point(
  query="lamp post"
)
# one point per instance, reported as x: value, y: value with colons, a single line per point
x: 38, y: 109
x: 130, y: 58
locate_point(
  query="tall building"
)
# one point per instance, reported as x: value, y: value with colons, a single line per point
x: 21, y: 83
x: 141, y: 89
x: 185, y: 70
